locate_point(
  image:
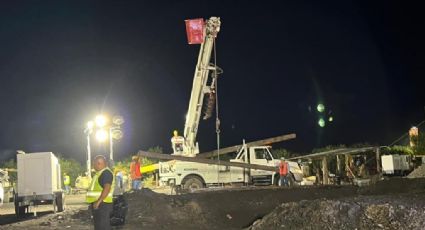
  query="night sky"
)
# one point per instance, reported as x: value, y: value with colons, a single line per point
x: 62, y: 62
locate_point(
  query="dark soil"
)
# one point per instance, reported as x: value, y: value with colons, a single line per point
x: 389, y: 204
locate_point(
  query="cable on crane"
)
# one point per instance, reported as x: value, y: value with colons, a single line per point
x: 217, y: 118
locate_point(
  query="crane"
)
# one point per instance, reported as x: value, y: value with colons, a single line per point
x: 187, y: 145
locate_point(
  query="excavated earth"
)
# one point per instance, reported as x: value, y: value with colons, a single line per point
x: 396, y: 203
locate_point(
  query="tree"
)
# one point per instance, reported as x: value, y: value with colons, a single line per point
x: 71, y: 167
x: 398, y: 149
x: 279, y: 153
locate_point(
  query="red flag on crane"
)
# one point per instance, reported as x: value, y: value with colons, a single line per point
x: 195, y: 30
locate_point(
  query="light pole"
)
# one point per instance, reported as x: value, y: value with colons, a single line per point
x: 114, y: 133
x: 112, y: 130
x: 88, y: 130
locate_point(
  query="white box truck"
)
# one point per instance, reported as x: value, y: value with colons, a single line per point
x: 39, y: 182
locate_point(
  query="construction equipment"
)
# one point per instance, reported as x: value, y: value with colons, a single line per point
x: 39, y: 182
x: 187, y: 144
x: 252, y: 165
x: 268, y: 141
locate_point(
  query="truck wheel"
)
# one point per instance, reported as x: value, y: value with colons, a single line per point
x: 60, y: 201
x: 19, y: 211
x: 192, y: 183
x: 277, y: 180
x: 291, y: 180
x: 55, y: 206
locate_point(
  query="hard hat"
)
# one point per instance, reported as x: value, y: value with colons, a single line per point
x: 282, y: 158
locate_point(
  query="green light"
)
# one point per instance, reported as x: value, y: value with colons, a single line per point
x: 321, y: 122
x: 320, y: 108
x: 331, y: 119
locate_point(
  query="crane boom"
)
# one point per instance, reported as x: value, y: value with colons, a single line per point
x: 199, y: 89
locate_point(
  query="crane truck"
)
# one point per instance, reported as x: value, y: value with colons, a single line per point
x: 252, y: 165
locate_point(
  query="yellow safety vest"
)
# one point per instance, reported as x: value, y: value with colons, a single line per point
x: 95, y: 189
x: 66, y: 180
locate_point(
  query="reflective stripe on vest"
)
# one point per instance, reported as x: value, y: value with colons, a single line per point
x: 95, y: 189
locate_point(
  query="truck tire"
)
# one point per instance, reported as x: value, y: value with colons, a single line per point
x: 291, y: 180
x: 60, y: 202
x: 19, y: 211
x: 192, y: 183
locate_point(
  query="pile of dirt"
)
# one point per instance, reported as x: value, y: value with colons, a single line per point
x: 225, y: 209
x: 239, y: 208
x: 419, y: 172
x: 370, y: 212
x: 388, y: 204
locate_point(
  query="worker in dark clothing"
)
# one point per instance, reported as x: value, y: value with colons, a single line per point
x: 99, y: 195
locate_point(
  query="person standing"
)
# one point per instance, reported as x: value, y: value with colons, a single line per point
x: 135, y: 174
x: 99, y: 194
x: 119, y: 189
x: 283, y: 172
x: 66, y: 183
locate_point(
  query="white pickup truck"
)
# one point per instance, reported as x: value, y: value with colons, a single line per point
x: 191, y: 175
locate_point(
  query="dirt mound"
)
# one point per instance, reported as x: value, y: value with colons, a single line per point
x: 419, y: 172
x: 239, y: 208
x: 388, y: 204
x: 226, y: 209
x: 382, y: 212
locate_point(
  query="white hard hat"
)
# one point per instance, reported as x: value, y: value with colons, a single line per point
x: 282, y: 158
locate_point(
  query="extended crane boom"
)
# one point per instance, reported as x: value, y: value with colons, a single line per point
x: 187, y: 145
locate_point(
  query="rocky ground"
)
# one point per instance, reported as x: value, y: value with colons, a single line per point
x: 363, y: 212
x: 389, y: 204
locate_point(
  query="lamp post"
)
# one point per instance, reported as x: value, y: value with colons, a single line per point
x: 112, y: 130
x: 88, y: 130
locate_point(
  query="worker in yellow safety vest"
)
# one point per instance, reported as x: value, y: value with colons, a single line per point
x: 99, y: 194
x: 66, y: 183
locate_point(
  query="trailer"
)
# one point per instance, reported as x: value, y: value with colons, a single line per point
x: 39, y: 182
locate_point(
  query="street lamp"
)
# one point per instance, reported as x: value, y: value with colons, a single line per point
x: 101, y: 135
x: 101, y: 120
x: 88, y: 130
x: 113, y: 131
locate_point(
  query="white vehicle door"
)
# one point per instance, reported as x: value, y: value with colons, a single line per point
x: 260, y: 156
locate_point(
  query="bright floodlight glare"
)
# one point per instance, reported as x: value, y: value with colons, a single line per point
x: 90, y: 124
x: 331, y: 119
x: 100, y: 121
x: 320, y: 108
x: 321, y: 122
x: 101, y: 135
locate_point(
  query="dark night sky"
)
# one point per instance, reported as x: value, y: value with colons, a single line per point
x: 62, y: 62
